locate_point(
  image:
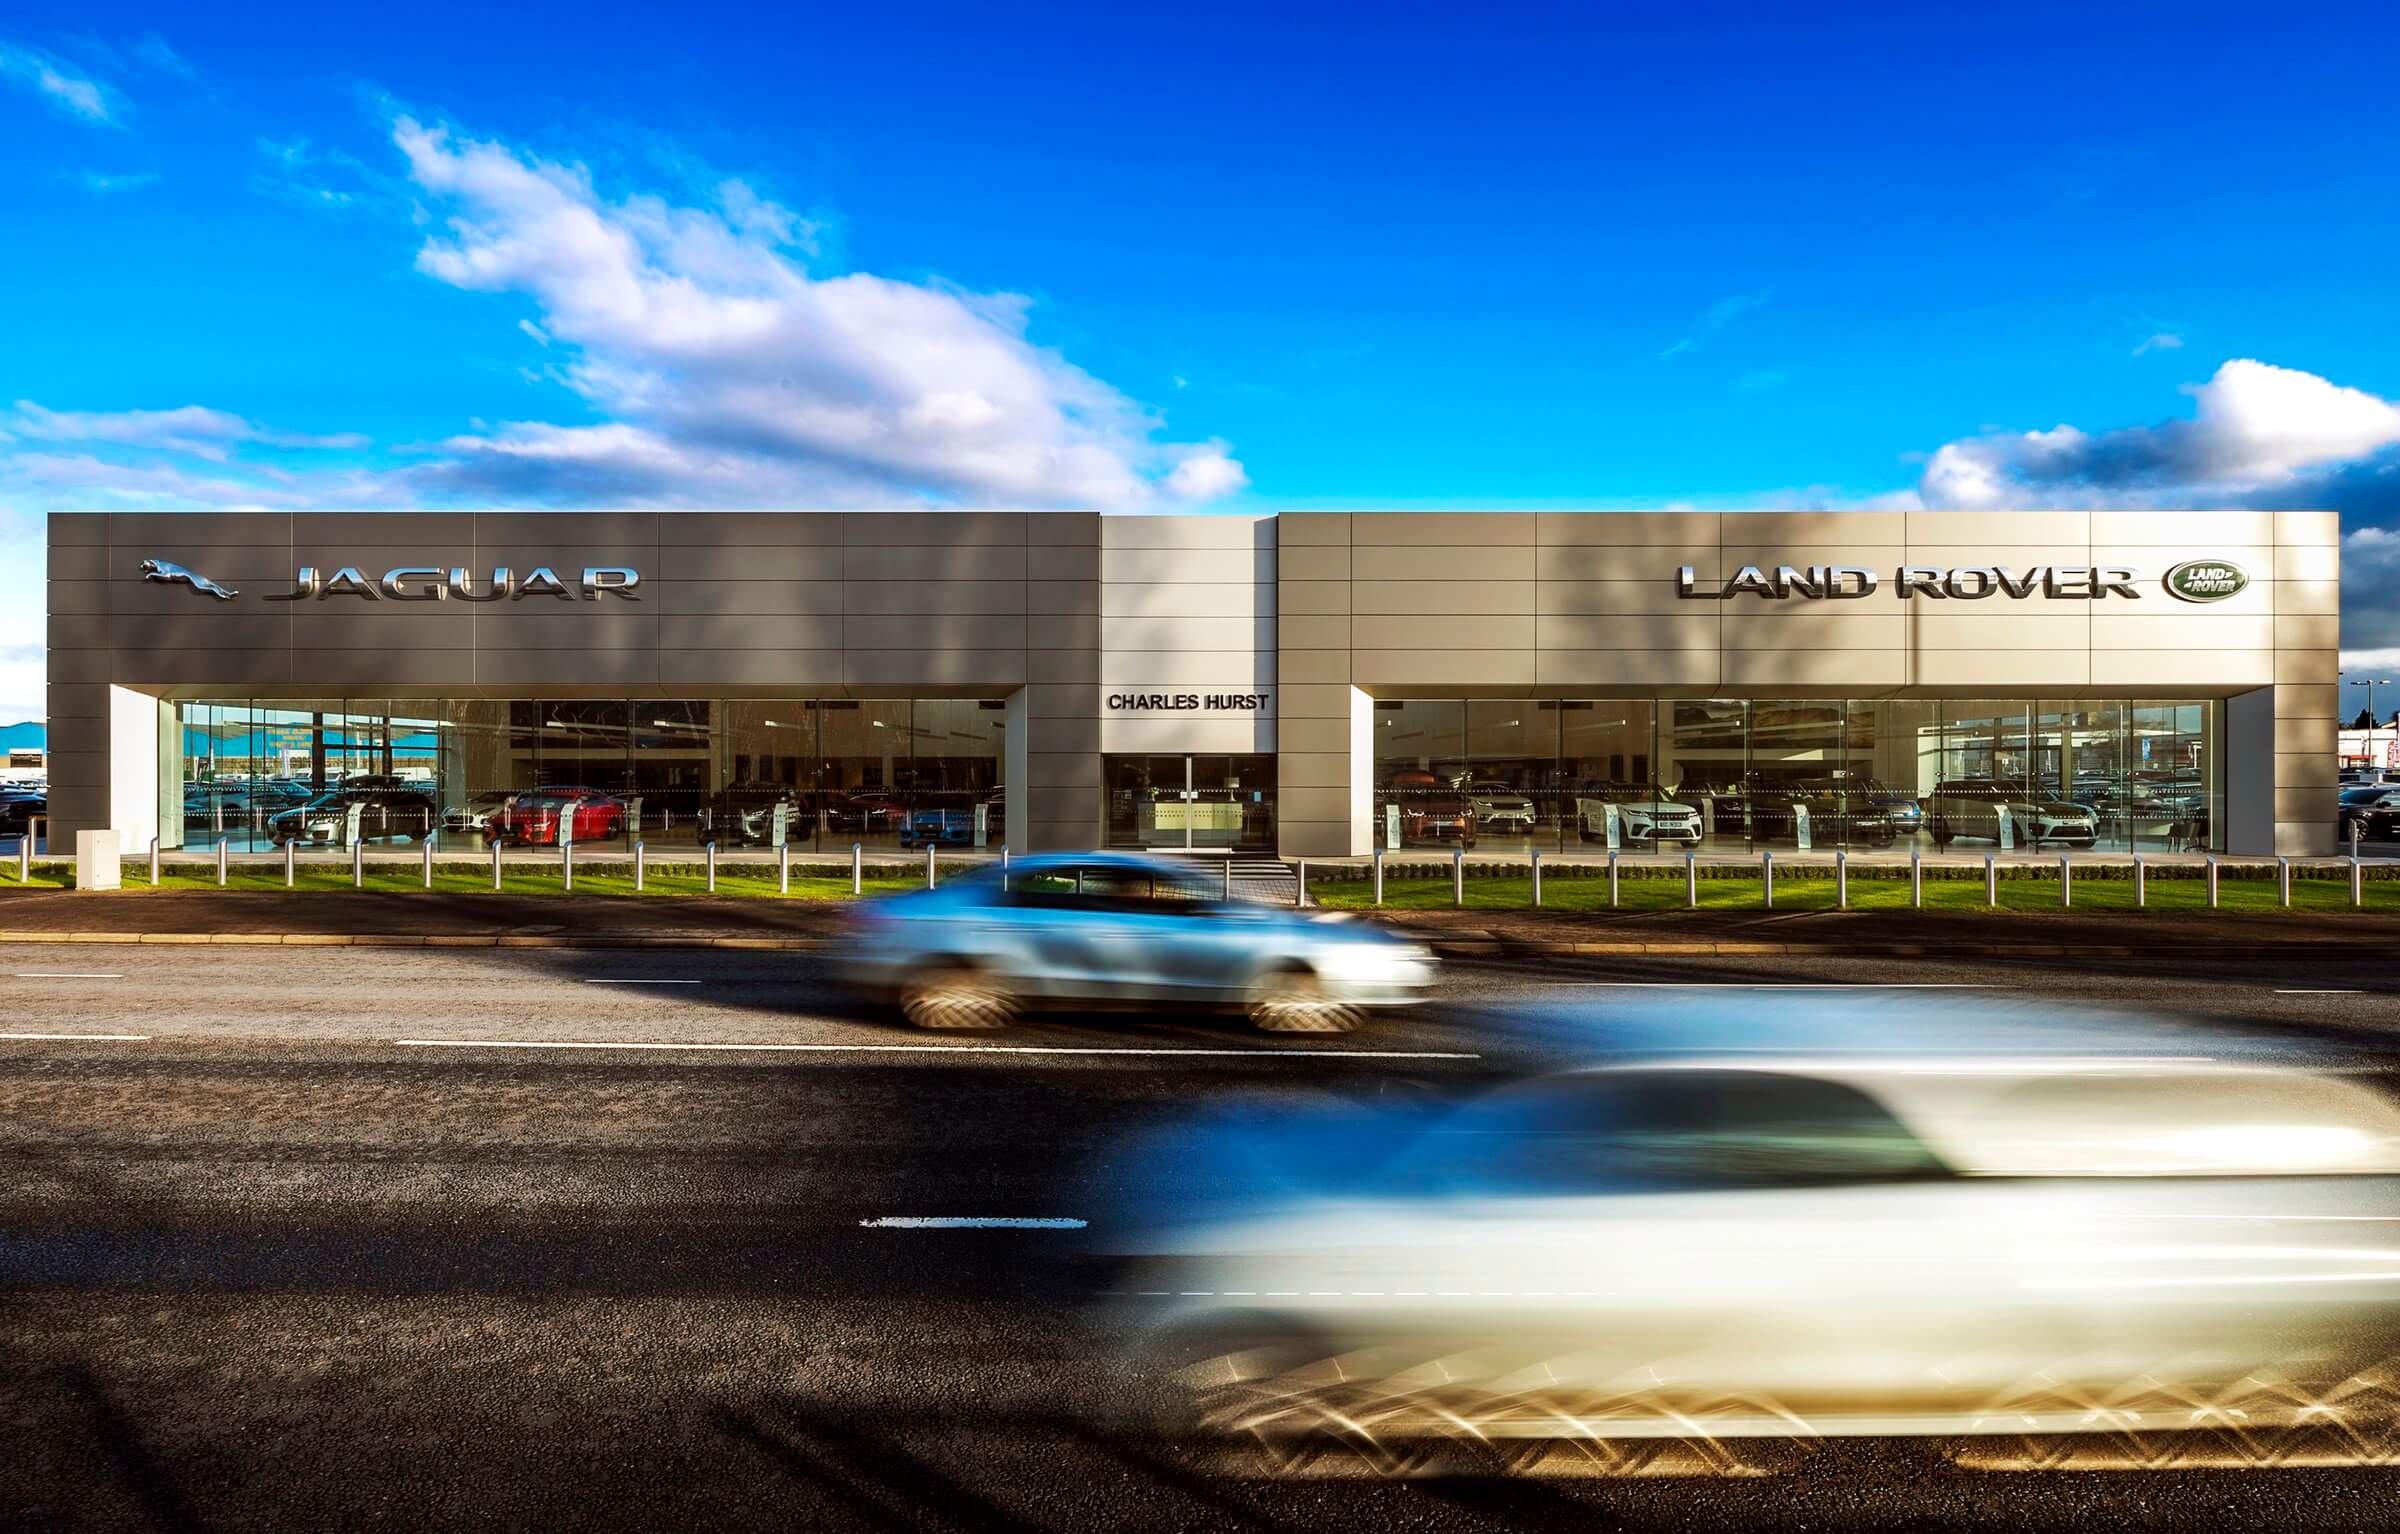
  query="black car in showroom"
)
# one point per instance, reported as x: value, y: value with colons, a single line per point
x: 1769, y: 811
x: 743, y: 815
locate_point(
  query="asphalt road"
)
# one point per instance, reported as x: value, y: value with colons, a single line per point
x: 296, y: 1239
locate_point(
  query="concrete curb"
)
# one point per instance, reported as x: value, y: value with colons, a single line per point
x: 412, y: 940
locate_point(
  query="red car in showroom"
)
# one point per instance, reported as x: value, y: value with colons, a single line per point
x: 533, y: 818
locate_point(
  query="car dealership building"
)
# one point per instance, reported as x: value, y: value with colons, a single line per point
x: 1309, y: 683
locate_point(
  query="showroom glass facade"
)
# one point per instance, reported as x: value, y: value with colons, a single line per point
x: 814, y: 773
x: 1738, y: 775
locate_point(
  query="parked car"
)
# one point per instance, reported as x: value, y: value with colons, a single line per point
x: 1430, y: 809
x: 18, y: 809
x: 474, y: 817
x: 2355, y: 803
x: 2378, y: 823
x: 1119, y: 928
x: 869, y: 811
x: 535, y: 817
x: 1896, y: 805
x: 325, y: 819
x: 1736, y: 1248
x: 1645, y: 812
x: 743, y: 814
x: 1838, y: 816
x: 1497, y: 806
x: 1969, y: 808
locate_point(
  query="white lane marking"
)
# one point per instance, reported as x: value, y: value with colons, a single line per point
x: 966, y: 1222
x: 645, y: 982
x: 2324, y: 991
x: 115, y: 1038
x: 1791, y: 985
x: 63, y: 974
x: 941, y: 1049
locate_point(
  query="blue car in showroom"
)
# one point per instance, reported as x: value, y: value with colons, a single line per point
x: 1120, y: 929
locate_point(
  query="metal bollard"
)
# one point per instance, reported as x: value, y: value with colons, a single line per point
x: 858, y: 873
x: 1225, y: 871
x: 2066, y: 882
x: 2212, y: 882
x: 1458, y: 876
x: 495, y: 865
x: 566, y: 865
x: 2141, y: 884
x: 25, y: 855
x: 2283, y: 881
x: 221, y: 846
x: 783, y: 868
x: 712, y: 868
x: 1691, y: 879
x: 929, y: 867
x: 358, y: 863
x: 428, y: 851
x: 641, y: 865
x: 1991, y: 880
x: 291, y: 864
x: 1537, y: 878
x: 1841, y: 878
x: 154, y: 861
x: 1612, y: 878
x: 2358, y: 883
x: 1378, y: 861
x: 1004, y: 868
x: 1300, y: 886
x: 1766, y: 873
x: 1916, y: 881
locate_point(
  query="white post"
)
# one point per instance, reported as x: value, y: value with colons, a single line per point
x: 495, y: 864
x: 25, y: 855
x: 358, y: 863
x: 641, y: 865
x: 1612, y: 879
x: 291, y: 860
x: 2066, y: 882
x: 2212, y: 882
x: 1299, y: 885
x: 1691, y: 878
x: 712, y: 869
x: 2358, y: 882
x: 428, y: 850
x: 1841, y: 878
x: 783, y: 869
x: 2283, y: 881
x: 1766, y: 873
x: 153, y: 855
x: 857, y: 869
x: 566, y: 864
x: 1224, y: 872
x: 221, y: 846
x: 929, y: 867
x: 2141, y: 885
x: 1458, y: 876
x: 1916, y: 880
x: 1537, y: 877
x: 1991, y: 880
x: 1377, y: 855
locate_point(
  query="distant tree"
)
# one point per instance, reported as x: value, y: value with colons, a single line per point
x: 2364, y: 721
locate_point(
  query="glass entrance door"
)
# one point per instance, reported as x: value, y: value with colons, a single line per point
x: 1191, y: 803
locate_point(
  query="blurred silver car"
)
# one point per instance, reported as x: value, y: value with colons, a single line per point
x: 1726, y: 1248
x: 1121, y: 928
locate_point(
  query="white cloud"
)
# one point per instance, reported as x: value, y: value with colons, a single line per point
x: 192, y: 429
x: 725, y: 369
x: 1720, y: 314
x: 104, y: 182
x: 60, y: 83
x: 2161, y: 341
x: 153, y: 51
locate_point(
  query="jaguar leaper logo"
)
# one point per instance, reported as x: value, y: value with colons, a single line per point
x: 2205, y: 580
x: 176, y: 575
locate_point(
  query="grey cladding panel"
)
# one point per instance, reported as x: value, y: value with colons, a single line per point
x: 969, y: 563
x: 932, y: 597
x: 791, y: 631
x: 206, y: 527
x: 580, y: 528
x: 417, y: 528
x: 710, y: 562
x: 936, y: 529
x: 762, y: 598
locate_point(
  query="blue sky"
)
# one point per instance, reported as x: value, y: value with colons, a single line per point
x: 1389, y: 256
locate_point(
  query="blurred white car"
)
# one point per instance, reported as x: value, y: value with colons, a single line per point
x: 1773, y: 1248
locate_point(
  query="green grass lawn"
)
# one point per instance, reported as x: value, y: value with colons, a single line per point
x: 1793, y: 893
x: 678, y: 878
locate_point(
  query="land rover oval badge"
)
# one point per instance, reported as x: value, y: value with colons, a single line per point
x: 2205, y: 580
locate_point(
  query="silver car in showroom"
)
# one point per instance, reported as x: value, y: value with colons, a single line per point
x: 1122, y: 929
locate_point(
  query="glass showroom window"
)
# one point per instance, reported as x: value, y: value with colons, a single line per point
x: 1510, y: 768
x: 1891, y: 758
x: 582, y: 780
x: 1420, y: 755
x: 863, y: 754
x: 1605, y: 773
x: 674, y: 770
x: 952, y: 779
x: 1703, y: 752
x: 770, y: 774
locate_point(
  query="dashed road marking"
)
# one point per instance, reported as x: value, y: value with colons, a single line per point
x: 645, y: 982
x: 943, y: 1049
x: 64, y: 974
x: 2321, y: 991
x: 84, y: 1038
x: 969, y: 1222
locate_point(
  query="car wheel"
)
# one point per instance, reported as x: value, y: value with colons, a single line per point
x: 957, y: 997
x: 1294, y: 1001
